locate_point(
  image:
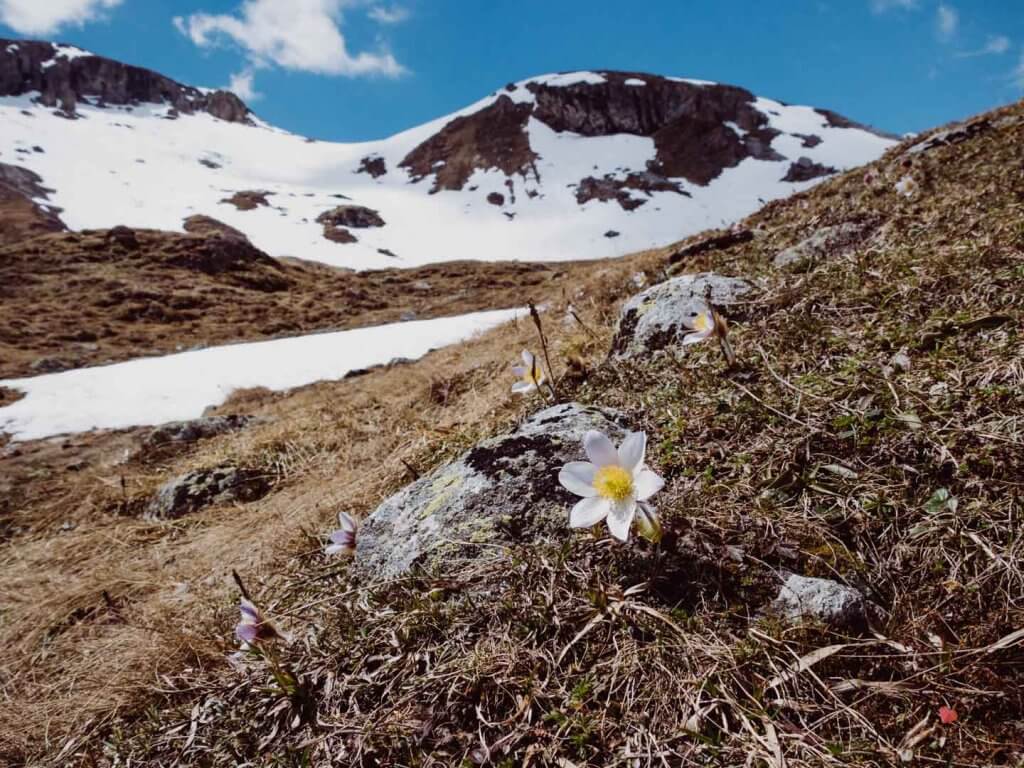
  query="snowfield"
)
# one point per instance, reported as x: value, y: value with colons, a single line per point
x: 179, y: 387
x: 141, y: 167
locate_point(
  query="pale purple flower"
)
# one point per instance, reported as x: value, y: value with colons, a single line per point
x: 254, y: 628
x: 530, y: 374
x: 613, y: 484
x: 907, y: 187
x: 343, y: 540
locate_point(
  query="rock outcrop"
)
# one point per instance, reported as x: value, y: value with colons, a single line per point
x: 505, y: 490
x: 825, y: 243
x: 662, y: 316
x: 201, y: 488
x: 64, y: 76
x: 183, y: 432
x: 207, y: 225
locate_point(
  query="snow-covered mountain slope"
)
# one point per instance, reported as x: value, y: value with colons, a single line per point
x: 568, y: 166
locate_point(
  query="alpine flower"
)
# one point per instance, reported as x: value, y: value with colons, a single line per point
x: 343, y: 540
x: 708, y: 323
x: 907, y: 187
x: 613, y: 484
x: 254, y: 628
x: 530, y: 374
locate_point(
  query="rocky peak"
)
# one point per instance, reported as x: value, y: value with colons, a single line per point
x: 63, y: 76
x: 699, y: 129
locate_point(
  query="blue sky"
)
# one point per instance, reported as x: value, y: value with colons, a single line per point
x: 360, y: 69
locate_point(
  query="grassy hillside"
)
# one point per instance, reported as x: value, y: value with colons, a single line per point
x: 872, y: 432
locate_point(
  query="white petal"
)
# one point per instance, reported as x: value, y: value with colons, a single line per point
x: 600, y: 449
x: 578, y: 477
x: 647, y: 484
x: 528, y: 358
x: 631, y: 452
x: 522, y: 387
x: 620, y: 517
x: 338, y: 549
x: 588, y: 512
x: 519, y: 371
x: 347, y: 522
x: 696, y: 336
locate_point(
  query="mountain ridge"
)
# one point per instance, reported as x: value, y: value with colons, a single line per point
x: 556, y: 167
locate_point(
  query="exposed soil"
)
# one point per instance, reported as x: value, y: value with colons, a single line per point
x: 74, y: 299
x: 21, y: 216
x: 248, y: 199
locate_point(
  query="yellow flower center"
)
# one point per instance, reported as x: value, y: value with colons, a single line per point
x: 702, y: 323
x: 534, y: 375
x: 613, y: 483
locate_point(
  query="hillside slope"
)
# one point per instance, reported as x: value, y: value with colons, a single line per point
x: 559, y: 167
x: 871, y: 434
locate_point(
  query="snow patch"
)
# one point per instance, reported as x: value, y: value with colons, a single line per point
x: 179, y: 387
x: 635, y: 81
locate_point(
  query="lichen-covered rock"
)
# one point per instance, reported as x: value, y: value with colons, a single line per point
x: 197, y: 429
x: 662, y: 315
x: 201, y: 488
x: 841, y: 607
x: 502, y: 491
x: 824, y: 243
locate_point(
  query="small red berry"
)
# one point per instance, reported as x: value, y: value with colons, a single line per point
x: 947, y: 715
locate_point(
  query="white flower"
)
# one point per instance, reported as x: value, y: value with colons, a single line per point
x: 343, y: 540
x: 530, y: 375
x: 612, y: 483
x: 906, y: 186
x: 707, y: 323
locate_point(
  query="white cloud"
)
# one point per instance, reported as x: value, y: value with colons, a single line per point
x: 881, y: 6
x: 996, y: 45
x: 396, y: 14
x: 295, y: 34
x: 947, y: 20
x: 243, y: 85
x: 44, y: 17
x: 1017, y: 76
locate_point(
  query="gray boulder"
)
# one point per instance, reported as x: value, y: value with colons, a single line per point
x: 802, y: 597
x: 662, y: 315
x: 197, y: 429
x: 505, y: 490
x: 825, y: 243
x: 201, y: 488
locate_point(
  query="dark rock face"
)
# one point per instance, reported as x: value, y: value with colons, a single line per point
x: 373, y: 165
x: 201, y: 488
x: 207, y: 225
x: 494, y: 137
x: 496, y: 198
x: 611, y: 188
x: 686, y: 121
x: 713, y: 243
x: 68, y: 80
x: 355, y: 216
x: 339, y: 235
x: 806, y: 169
x: 21, y: 217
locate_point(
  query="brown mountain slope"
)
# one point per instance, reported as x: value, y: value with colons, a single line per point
x: 87, y: 298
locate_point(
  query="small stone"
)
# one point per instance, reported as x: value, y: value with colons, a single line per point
x: 197, y: 429
x: 829, y: 602
x: 204, y: 487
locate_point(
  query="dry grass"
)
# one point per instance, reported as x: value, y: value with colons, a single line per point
x: 817, y: 455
